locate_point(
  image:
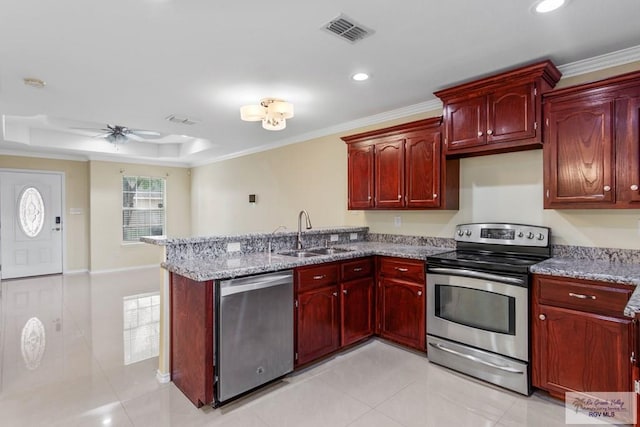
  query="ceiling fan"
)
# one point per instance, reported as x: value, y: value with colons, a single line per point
x: 117, y: 134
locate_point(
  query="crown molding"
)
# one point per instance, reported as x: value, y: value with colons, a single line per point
x: 399, y: 113
x: 601, y: 62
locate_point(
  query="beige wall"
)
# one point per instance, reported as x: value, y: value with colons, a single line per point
x: 312, y: 175
x: 107, y: 250
x: 76, y: 227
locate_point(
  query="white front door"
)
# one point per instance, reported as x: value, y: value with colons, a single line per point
x: 30, y: 224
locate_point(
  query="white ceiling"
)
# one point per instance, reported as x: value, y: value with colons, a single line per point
x: 135, y: 62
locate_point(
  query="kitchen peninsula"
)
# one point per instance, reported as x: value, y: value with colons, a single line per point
x: 195, y: 265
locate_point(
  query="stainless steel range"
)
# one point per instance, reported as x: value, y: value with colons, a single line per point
x: 478, y: 302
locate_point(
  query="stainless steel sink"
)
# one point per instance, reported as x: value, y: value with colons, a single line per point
x: 299, y: 253
x: 305, y: 253
x: 329, y: 251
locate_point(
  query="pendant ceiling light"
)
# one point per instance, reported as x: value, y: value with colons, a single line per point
x: 272, y: 112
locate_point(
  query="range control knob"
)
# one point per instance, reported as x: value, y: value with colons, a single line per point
x: 540, y: 236
x: 468, y: 232
x: 460, y: 232
x: 530, y: 235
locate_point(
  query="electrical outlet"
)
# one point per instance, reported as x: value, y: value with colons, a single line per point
x: 233, y: 247
x: 353, y: 236
x: 334, y: 238
x: 397, y: 221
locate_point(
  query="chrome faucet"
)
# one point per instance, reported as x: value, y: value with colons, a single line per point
x: 308, y: 225
x: 280, y: 227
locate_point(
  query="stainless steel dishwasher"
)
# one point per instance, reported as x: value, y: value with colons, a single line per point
x: 254, y: 333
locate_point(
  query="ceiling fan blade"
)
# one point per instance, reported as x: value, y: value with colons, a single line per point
x: 147, y: 134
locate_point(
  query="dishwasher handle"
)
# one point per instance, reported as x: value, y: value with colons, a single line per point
x: 254, y: 283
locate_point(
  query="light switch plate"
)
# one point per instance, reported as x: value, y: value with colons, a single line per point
x: 397, y: 221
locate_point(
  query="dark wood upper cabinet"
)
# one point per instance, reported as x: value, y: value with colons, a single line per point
x: 422, y: 170
x: 497, y: 114
x: 401, y: 167
x: 389, y: 175
x: 591, y: 153
x: 360, y: 173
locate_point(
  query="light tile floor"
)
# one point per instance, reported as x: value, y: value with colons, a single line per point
x: 78, y: 378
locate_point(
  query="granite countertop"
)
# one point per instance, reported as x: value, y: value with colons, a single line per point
x: 234, y: 265
x: 605, y: 271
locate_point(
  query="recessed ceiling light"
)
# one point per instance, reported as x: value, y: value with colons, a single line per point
x: 360, y: 77
x: 545, y: 6
x: 33, y: 82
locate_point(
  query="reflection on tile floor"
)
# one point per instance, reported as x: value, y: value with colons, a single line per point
x: 71, y: 371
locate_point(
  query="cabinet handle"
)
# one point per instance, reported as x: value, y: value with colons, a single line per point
x: 435, y: 196
x: 335, y: 294
x: 357, y: 269
x: 369, y: 198
x: 399, y: 196
x: 607, y: 188
x: 319, y: 277
x: 582, y: 296
x: 489, y: 132
x: 419, y: 293
x: 344, y: 291
x: 542, y: 317
x: 634, y: 187
x: 402, y: 270
x: 480, y: 133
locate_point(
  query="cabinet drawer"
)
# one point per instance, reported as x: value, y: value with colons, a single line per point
x: 594, y: 297
x: 403, y: 269
x: 356, y: 269
x: 308, y: 278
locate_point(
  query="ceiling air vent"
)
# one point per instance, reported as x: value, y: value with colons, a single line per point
x: 183, y: 120
x: 347, y: 29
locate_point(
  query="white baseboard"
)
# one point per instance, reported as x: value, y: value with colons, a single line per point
x: 116, y: 270
x: 70, y: 272
x: 163, y: 378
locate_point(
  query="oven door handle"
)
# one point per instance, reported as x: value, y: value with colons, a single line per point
x: 476, y: 275
x: 475, y: 359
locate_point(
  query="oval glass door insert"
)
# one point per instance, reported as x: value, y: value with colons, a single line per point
x: 31, y: 211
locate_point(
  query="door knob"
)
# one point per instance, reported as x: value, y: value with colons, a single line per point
x: 542, y: 317
x: 607, y: 188
x: 480, y: 133
x: 634, y: 187
x: 344, y: 291
x: 419, y: 293
x: 489, y: 132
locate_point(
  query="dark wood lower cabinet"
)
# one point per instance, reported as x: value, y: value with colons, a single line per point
x: 583, y: 352
x: 581, y: 342
x: 357, y: 310
x: 192, y: 338
x: 317, y: 318
x: 402, y: 312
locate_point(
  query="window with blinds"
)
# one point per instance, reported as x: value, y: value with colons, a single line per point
x: 143, y: 207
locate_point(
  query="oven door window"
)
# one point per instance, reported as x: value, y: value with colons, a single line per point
x: 475, y: 308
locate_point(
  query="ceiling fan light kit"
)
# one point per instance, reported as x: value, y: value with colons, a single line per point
x: 271, y: 111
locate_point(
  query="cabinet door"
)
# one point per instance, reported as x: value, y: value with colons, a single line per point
x: 465, y: 124
x: 422, y: 170
x: 357, y: 310
x: 402, y: 312
x: 511, y: 113
x: 628, y: 150
x: 389, y: 175
x: 579, y: 351
x: 578, y: 155
x: 360, y: 186
x: 317, y: 323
